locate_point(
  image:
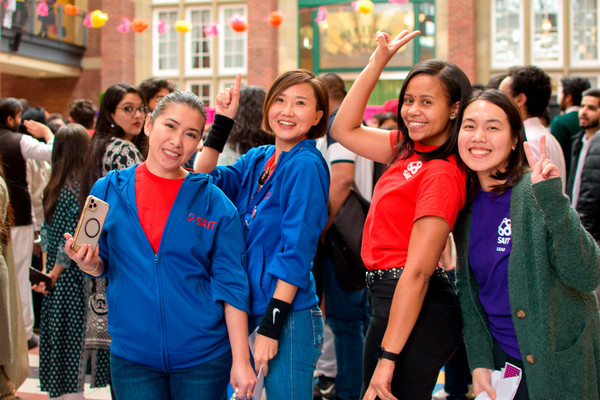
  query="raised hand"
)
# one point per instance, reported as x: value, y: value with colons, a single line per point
x: 387, y: 47
x: 543, y: 168
x: 228, y: 100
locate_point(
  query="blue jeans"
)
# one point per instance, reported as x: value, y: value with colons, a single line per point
x: 133, y: 381
x: 290, y: 374
x: 347, y: 313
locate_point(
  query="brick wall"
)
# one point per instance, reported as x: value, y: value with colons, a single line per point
x: 262, y: 44
x: 461, y: 35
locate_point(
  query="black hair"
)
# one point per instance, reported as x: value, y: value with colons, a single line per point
x: 535, y: 84
x: 9, y: 107
x: 247, y: 131
x: 574, y: 86
x: 151, y: 86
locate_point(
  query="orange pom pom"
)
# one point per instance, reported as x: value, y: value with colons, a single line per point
x: 71, y: 9
x: 275, y: 18
x: 238, y: 23
x: 139, y: 25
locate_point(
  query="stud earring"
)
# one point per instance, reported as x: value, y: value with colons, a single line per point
x: 452, y: 116
x: 112, y: 126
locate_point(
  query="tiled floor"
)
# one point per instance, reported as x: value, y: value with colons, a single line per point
x: 30, y: 390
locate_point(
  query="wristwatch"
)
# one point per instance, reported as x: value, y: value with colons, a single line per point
x: 381, y: 353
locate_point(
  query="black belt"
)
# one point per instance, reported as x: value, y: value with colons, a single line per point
x: 394, y: 273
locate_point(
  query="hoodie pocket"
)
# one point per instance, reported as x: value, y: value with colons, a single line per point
x: 256, y: 272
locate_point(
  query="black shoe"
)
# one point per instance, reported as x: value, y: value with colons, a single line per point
x: 326, y: 386
x: 33, y: 342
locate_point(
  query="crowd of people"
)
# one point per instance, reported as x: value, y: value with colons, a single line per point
x: 218, y: 270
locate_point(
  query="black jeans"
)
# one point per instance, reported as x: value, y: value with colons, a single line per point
x: 430, y: 345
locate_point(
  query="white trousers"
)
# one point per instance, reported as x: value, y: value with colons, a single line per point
x: 22, y: 242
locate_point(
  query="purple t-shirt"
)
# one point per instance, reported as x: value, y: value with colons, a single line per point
x: 489, y: 248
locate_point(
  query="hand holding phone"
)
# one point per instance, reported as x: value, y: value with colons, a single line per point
x: 36, y: 277
x: 91, y: 223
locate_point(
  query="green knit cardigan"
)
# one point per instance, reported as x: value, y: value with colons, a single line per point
x: 553, y: 269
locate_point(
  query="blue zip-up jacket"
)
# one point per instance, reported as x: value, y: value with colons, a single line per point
x: 283, y: 220
x: 166, y: 309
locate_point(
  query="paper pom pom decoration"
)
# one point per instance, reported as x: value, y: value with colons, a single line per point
x: 87, y: 21
x: 321, y: 15
x: 139, y: 25
x: 42, y: 9
x: 98, y: 18
x: 161, y: 27
x: 212, y: 29
x: 182, y: 26
x: 275, y: 18
x: 124, y: 26
x: 363, y: 6
x: 71, y: 10
x: 237, y: 23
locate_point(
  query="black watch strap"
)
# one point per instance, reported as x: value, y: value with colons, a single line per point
x: 382, y: 353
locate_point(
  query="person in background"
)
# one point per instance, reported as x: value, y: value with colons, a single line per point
x: 247, y: 131
x: 154, y: 90
x: 15, y: 149
x: 564, y: 127
x: 530, y: 88
x: 62, y: 318
x: 346, y: 309
x: 14, y: 361
x: 415, y: 319
x: 526, y: 266
x: 172, y: 247
x: 82, y: 112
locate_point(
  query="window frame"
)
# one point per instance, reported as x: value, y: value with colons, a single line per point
x: 583, y: 63
x: 561, y: 29
x: 506, y: 64
x: 222, y: 36
x: 189, y: 70
x: 156, y: 71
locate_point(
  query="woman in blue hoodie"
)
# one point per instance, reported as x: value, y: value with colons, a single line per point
x: 281, y: 193
x: 172, y: 248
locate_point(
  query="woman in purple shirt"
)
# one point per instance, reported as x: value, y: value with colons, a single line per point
x: 526, y: 266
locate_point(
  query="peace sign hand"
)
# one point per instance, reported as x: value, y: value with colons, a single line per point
x: 387, y: 47
x: 544, y: 168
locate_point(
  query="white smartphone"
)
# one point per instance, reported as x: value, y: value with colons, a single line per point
x: 91, y: 222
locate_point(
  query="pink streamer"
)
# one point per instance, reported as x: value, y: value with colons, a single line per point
x: 87, y: 21
x: 321, y: 15
x: 212, y: 29
x: 162, y: 26
x: 125, y: 25
x: 42, y: 9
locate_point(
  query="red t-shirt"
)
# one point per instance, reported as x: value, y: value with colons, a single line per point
x: 408, y: 190
x: 154, y: 198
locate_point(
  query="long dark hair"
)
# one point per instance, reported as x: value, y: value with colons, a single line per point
x: 247, y: 131
x: 71, y: 143
x: 457, y: 88
x: 104, y: 131
x: 517, y: 162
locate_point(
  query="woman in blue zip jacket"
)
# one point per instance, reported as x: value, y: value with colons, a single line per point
x: 172, y: 248
x: 281, y: 193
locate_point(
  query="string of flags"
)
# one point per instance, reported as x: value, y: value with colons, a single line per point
x: 97, y: 18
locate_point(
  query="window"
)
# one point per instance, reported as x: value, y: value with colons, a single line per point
x: 203, y: 90
x: 584, y: 32
x: 198, y: 45
x: 507, y: 28
x: 345, y: 40
x: 232, y: 45
x: 166, y: 46
x: 547, y: 33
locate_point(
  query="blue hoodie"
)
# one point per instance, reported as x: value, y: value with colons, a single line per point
x: 283, y: 220
x: 166, y: 309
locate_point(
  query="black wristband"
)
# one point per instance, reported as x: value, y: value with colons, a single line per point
x: 273, y: 320
x: 219, y: 132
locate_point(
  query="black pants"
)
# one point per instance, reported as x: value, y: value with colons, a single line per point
x: 430, y: 345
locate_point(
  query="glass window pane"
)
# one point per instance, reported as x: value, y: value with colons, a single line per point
x: 508, y: 32
x: 200, y: 43
x: 168, y: 42
x: 585, y: 30
x: 546, y: 30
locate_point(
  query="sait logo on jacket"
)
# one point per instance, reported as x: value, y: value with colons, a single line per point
x: 201, y: 221
x: 504, y: 234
